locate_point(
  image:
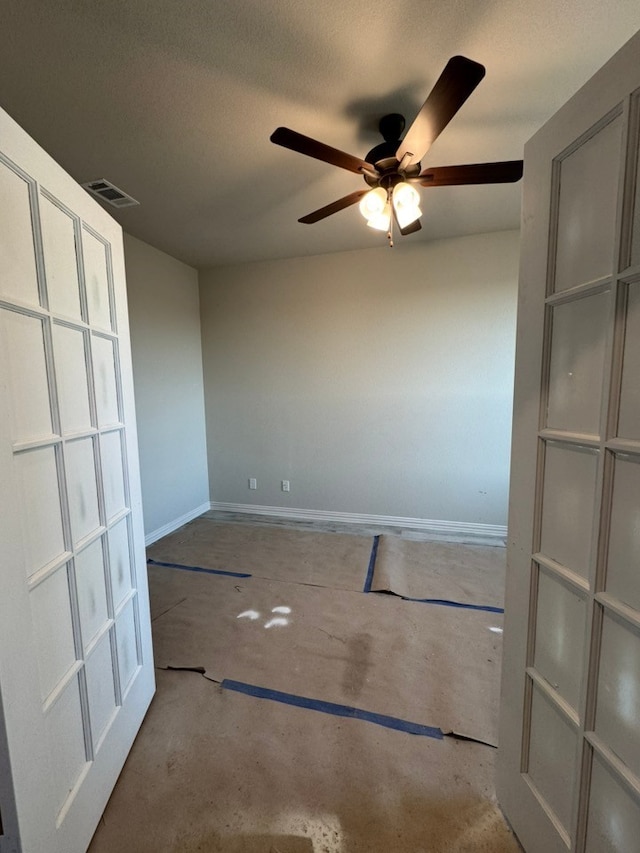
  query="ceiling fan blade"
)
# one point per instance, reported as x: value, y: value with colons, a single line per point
x: 458, y: 80
x: 334, y: 207
x: 312, y: 148
x: 504, y: 172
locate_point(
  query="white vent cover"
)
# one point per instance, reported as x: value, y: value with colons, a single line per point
x: 110, y: 193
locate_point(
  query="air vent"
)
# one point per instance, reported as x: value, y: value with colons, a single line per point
x: 108, y: 192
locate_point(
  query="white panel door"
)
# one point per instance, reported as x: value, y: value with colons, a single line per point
x: 569, y: 757
x: 76, y: 668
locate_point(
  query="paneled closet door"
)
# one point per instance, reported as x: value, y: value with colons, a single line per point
x: 76, y: 668
x: 569, y: 763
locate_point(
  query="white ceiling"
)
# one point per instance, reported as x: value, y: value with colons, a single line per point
x: 174, y: 102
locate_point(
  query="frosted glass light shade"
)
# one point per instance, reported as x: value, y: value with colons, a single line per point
x: 381, y: 221
x: 405, y: 195
x: 406, y: 203
x: 407, y: 215
x: 373, y: 203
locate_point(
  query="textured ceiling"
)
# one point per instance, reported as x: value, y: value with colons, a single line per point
x: 174, y: 102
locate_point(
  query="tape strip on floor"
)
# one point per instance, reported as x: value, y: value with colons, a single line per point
x: 334, y: 709
x: 372, y: 565
x: 489, y: 608
x: 198, y: 569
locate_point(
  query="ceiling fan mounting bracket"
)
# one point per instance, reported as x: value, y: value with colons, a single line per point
x: 391, y: 127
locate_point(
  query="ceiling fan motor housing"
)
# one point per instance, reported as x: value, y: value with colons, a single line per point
x: 383, y: 156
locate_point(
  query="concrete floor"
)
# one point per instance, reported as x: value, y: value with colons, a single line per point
x: 214, y: 769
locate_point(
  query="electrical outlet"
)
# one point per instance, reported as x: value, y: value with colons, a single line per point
x: 253, y: 483
x: 286, y: 486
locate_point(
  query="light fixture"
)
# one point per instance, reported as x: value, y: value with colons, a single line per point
x: 375, y: 206
x: 406, y: 203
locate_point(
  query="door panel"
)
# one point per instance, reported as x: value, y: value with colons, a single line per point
x: 578, y: 342
x: 127, y: 643
x: 101, y: 689
x: 105, y: 372
x: 118, y: 542
x: 561, y: 613
x: 92, y: 592
x: 613, y: 815
x: 550, y: 762
x: 42, y: 532
x: 80, y: 468
x: 24, y: 349
x: 114, y: 484
x: 623, y: 558
x: 53, y: 622
x: 66, y: 737
x: 60, y: 259
x: 634, y: 254
x: 69, y: 346
x: 587, y: 201
x: 568, y: 497
x: 569, y: 759
x: 617, y: 720
x: 629, y: 419
x: 76, y: 668
x: 18, y: 276
x: 96, y: 272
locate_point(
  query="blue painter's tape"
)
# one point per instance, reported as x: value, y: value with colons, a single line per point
x: 199, y: 569
x: 372, y: 564
x: 445, y: 603
x: 335, y: 710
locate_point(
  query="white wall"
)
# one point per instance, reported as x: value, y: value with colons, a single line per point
x: 377, y: 382
x: 164, y: 314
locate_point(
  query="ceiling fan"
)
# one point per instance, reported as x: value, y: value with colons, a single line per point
x: 392, y: 168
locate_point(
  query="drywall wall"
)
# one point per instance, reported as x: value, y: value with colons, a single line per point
x: 377, y: 382
x: 164, y: 314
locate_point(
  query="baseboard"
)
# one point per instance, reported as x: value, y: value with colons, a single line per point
x: 152, y: 537
x: 456, y: 531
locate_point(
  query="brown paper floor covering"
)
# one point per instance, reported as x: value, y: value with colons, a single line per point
x: 437, y: 666
x: 217, y: 771
x: 470, y: 574
x: 326, y: 559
